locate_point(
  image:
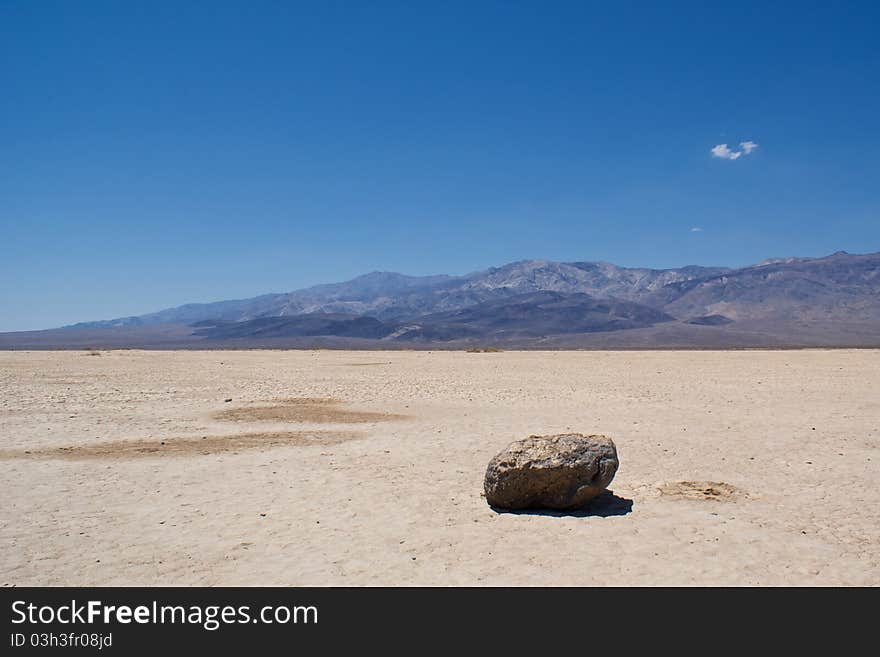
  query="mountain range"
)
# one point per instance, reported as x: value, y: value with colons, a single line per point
x: 828, y: 301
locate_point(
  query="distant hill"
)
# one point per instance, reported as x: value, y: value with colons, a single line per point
x: 833, y: 300
x: 387, y: 295
x: 524, y: 315
x: 841, y: 286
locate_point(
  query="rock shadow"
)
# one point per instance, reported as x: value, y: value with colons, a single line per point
x: 605, y: 505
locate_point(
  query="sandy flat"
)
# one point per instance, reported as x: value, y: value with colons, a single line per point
x: 333, y: 467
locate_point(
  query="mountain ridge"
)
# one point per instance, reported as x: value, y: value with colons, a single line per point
x: 449, y: 292
x: 390, y: 295
x: 832, y: 300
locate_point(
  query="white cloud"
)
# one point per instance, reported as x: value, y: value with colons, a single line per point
x: 696, y: 229
x: 723, y: 150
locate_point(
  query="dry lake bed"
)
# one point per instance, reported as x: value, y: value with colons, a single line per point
x: 366, y: 468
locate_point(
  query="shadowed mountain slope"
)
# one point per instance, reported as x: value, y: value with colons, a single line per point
x: 534, y: 314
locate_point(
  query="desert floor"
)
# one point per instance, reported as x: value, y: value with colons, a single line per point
x: 281, y: 487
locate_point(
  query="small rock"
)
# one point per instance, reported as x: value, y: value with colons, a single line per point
x: 564, y: 471
x: 226, y: 401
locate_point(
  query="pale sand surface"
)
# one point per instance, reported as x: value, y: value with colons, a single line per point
x: 352, y: 495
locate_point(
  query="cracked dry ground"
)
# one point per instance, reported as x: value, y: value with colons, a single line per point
x: 333, y: 467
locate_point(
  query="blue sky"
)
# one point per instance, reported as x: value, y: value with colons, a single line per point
x: 153, y: 154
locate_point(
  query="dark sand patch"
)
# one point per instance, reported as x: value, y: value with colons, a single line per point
x: 190, y: 446
x: 52, y: 379
x: 306, y: 409
x: 701, y: 490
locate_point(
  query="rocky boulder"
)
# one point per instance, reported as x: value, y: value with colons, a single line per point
x: 564, y: 471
